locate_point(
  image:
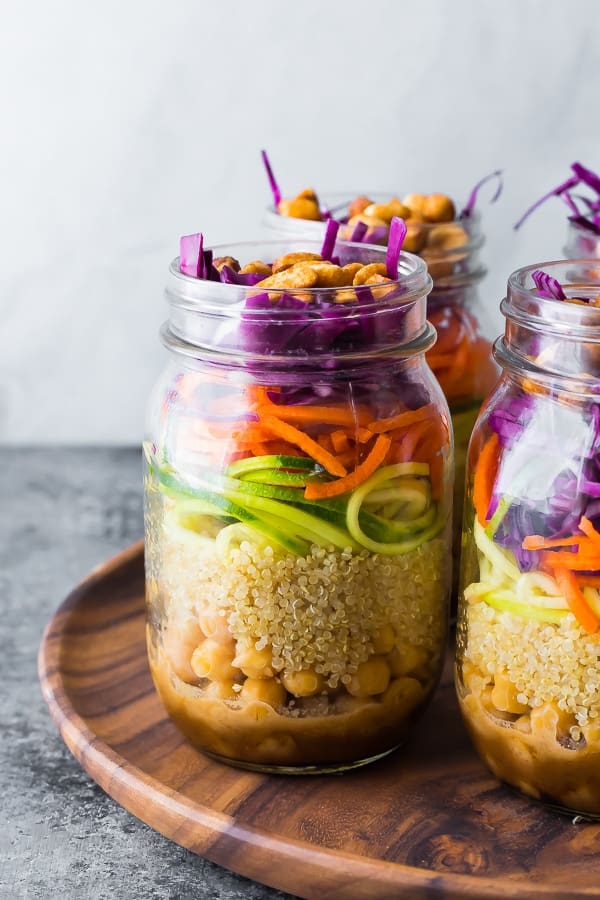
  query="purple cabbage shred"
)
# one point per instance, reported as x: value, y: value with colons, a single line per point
x: 470, y: 204
x: 581, y: 175
x: 272, y: 181
x: 396, y: 237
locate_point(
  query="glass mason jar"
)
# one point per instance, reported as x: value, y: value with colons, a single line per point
x: 528, y: 644
x: 297, y: 622
x: 462, y: 358
x: 583, y: 242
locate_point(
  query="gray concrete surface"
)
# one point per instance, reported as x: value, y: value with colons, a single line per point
x: 63, y: 511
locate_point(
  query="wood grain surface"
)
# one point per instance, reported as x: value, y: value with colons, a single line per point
x: 427, y: 822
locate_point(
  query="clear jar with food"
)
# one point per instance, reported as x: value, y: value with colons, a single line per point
x: 298, y: 494
x: 450, y: 241
x: 528, y: 636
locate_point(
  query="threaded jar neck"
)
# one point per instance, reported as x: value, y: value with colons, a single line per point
x: 236, y: 325
x: 548, y: 339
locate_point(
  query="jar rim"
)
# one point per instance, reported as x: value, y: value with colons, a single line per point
x: 525, y: 305
x: 226, y: 298
x: 215, y: 318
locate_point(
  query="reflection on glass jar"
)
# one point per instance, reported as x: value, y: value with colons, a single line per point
x: 298, y: 495
x: 461, y: 358
x: 528, y: 639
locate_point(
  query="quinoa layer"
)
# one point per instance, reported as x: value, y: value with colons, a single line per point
x: 547, y: 663
x: 316, y: 612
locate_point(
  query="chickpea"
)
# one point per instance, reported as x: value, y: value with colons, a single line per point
x: 230, y: 261
x: 385, y: 211
x: 405, y: 659
x: 356, y: 206
x: 367, y: 271
x: 292, y: 259
x: 267, y: 690
x: 415, y: 203
x: 213, y: 659
x: 369, y: 221
x: 438, y: 208
x: 504, y: 695
x: 384, y: 639
x: 372, y: 677
x: 405, y: 694
x: 180, y: 641
x: 300, y: 208
x: 214, y: 626
x: 351, y: 269
x: 258, y: 267
x: 446, y: 237
x: 255, y: 663
x: 303, y: 684
x: 399, y: 209
x: 416, y: 235
x: 307, y: 194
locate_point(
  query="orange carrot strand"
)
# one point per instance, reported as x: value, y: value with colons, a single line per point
x: 485, y: 477
x: 318, y: 491
x: 300, y: 439
x: 578, y: 605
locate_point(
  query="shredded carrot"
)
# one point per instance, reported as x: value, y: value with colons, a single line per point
x: 318, y: 415
x: 578, y: 605
x: 258, y: 395
x: 250, y: 434
x: 350, y: 458
x: 259, y: 449
x: 537, y: 542
x: 588, y: 529
x: 402, y: 420
x: 576, y: 562
x: 324, y: 441
x: 588, y: 580
x: 300, y: 439
x: 340, y: 442
x: 485, y: 477
x: 410, y: 439
x: 318, y: 491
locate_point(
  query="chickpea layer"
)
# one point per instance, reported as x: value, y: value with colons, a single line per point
x: 252, y: 674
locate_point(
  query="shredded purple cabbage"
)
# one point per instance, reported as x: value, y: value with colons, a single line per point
x: 329, y: 240
x: 191, y: 259
x: 520, y: 421
x: 581, y: 175
x: 359, y: 231
x: 396, y: 237
x: 272, y: 182
x: 470, y: 204
x: 247, y: 279
x: 547, y: 286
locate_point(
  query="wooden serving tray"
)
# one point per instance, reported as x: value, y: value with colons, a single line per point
x: 427, y: 822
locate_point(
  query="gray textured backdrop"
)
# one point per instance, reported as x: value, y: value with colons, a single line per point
x: 129, y: 123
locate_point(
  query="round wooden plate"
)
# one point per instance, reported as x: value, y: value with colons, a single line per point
x: 427, y: 822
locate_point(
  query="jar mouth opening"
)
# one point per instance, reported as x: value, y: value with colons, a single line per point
x: 298, y: 324
x: 526, y: 306
x: 228, y: 300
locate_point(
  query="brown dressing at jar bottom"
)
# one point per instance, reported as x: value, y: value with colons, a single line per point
x: 535, y: 761
x: 254, y: 735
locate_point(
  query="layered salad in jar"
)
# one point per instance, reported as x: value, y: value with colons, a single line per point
x: 448, y: 237
x: 297, y: 558
x: 528, y: 636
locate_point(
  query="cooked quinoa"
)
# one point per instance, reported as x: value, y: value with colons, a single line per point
x: 559, y: 664
x: 319, y: 611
